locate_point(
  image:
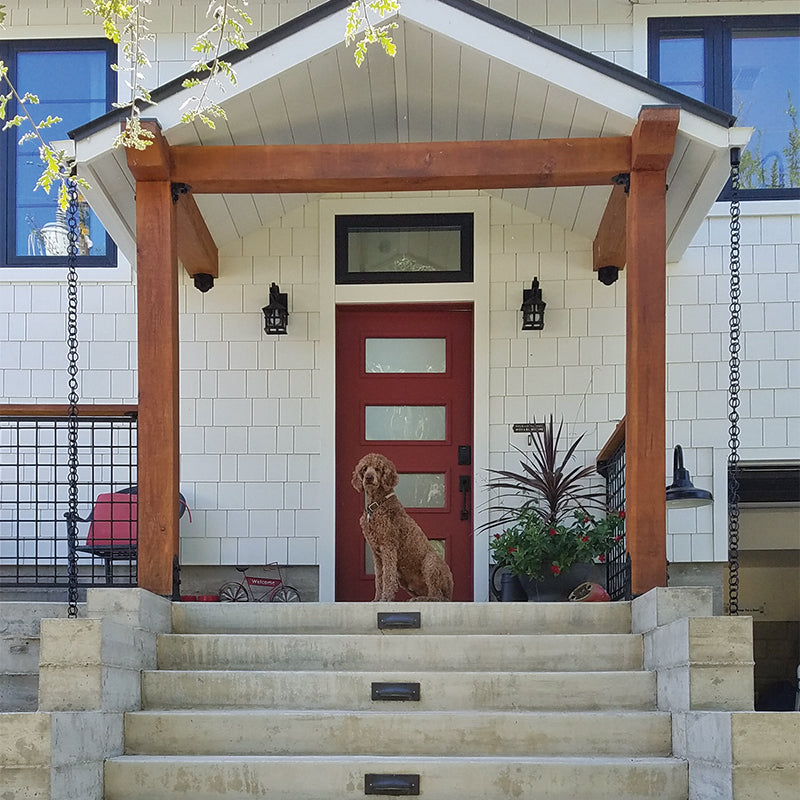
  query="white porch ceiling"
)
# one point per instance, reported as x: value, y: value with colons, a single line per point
x: 495, y: 85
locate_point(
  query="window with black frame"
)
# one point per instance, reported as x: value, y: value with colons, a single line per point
x: 750, y: 67
x: 73, y: 80
x: 404, y: 248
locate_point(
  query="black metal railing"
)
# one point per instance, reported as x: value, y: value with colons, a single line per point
x: 34, y: 495
x: 611, y: 465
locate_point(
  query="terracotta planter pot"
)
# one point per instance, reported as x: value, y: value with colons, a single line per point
x: 589, y: 593
x: 557, y: 588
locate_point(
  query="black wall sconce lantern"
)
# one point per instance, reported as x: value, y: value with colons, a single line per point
x: 682, y: 492
x: 532, y: 308
x: 276, y: 312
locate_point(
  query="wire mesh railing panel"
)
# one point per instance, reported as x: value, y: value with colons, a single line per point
x: 34, y: 499
x: 618, y: 571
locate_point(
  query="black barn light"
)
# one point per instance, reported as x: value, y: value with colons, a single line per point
x: 682, y: 493
x: 276, y: 312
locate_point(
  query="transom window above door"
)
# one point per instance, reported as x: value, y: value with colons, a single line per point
x: 404, y: 248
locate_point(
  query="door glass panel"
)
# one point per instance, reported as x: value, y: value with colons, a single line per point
x: 405, y: 355
x: 404, y: 423
x: 421, y: 489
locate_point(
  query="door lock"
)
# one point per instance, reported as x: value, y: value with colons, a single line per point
x: 463, y: 487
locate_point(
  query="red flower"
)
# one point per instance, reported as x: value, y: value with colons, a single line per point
x: 553, y: 532
x: 585, y: 520
x: 512, y: 549
x: 617, y: 539
x: 555, y: 569
x: 622, y: 515
x: 497, y: 536
x: 602, y: 558
x: 584, y: 538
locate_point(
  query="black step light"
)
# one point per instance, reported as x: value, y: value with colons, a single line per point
x: 682, y: 492
x: 276, y: 312
x: 532, y: 308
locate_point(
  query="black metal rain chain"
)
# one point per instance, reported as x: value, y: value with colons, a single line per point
x: 72, y: 420
x: 733, y: 394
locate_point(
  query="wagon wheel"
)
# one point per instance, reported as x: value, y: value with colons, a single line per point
x: 286, y: 594
x: 233, y: 592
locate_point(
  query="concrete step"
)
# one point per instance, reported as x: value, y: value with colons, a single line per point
x: 433, y: 652
x: 461, y: 618
x: 317, y: 689
x: 338, y: 778
x: 390, y: 733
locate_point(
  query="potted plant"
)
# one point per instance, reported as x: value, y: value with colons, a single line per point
x: 551, y: 537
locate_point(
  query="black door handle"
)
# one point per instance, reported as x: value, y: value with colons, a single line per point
x: 463, y: 487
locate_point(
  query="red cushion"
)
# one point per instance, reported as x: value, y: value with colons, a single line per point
x: 113, y: 521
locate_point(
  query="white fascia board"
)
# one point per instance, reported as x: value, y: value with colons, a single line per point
x: 707, y: 190
x: 559, y: 70
x: 96, y: 144
x: 108, y: 213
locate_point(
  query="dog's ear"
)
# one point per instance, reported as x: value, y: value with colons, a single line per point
x: 389, y: 476
x: 356, y: 480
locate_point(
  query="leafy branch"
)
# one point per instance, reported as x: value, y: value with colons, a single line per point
x: 124, y: 22
x: 229, y: 21
x: 359, y: 22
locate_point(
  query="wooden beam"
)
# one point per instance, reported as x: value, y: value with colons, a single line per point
x: 197, y: 250
x: 609, y: 247
x: 266, y: 169
x: 159, y: 423
x: 645, y: 412
x: 152, y: 163
x: 653, y: 138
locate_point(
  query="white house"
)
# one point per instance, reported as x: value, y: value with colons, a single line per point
x: 270, y: 426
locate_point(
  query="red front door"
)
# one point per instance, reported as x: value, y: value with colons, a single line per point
x: 404, y: 389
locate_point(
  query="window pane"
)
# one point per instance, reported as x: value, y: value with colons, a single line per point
x: 405, y: 355
x: 766, y: 93
x: 70, y: 85
x: 421, y: 490
x: 404, y: 250
x: 682, y: 65
x: 405, y: 423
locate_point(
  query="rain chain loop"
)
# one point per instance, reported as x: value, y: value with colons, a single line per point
x: 72, y: 420
x: 734, y: 345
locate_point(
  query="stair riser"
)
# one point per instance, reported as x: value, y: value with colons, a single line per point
x: 387, y: 734
x: 570, y: 653
x: 338, y: 779
x: 360, y: 618
x: 523, y: 691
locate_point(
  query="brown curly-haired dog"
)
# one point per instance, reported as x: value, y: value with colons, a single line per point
x: 403, y: 555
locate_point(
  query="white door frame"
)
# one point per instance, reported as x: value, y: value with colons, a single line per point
x: 331, y: 295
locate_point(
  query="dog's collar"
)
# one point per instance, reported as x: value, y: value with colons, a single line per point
x: 375, y: 504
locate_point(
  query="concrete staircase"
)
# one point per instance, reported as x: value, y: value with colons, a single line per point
x: 309, y: 701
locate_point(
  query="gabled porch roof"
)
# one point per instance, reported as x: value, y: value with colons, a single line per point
x: 463, y: 73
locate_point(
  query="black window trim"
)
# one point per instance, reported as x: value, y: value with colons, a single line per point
x: 716, y: 32
x: 464, y: 221
x: 8, y: 54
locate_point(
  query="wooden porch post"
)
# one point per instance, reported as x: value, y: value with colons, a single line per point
x: 652, y: 143
x: 158, y: 430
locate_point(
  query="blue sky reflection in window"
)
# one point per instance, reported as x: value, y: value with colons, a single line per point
x: 73, y: 85
x: 749, y: 66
